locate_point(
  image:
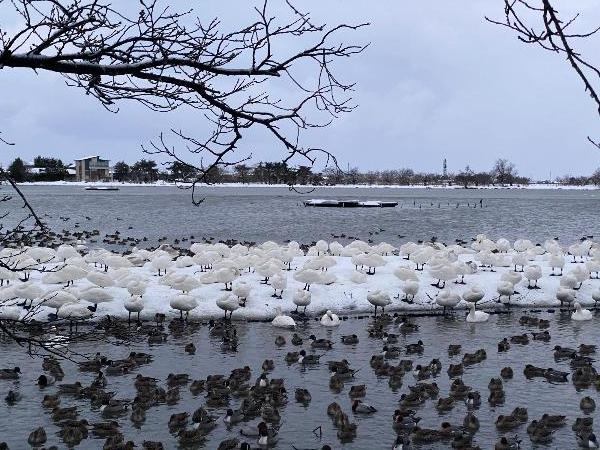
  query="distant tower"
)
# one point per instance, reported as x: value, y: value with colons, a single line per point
x: 445, y: 169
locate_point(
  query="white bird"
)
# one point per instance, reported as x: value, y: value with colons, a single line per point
x: 447, y: 298
x: 225, y: 275
x: 282, y: 321
x: 505, y: 289
x: 443, y: 273
x: 379, y: 299
x: 55, y: 299
x: 519, y: 259
x: 564, y: 294
x: 70, y: 273
x: 581, y: 314
x: 302, y: 299
x: 74, y: 313
x: 330, y: 319
x: 27, y: 291
x: 358, y: 277
x: 512, y: 277
x: 136, y: 287
x: 308, y: 277
x: 134, y: 304
x: 556, y: 261
x: 161, y: 263
x: 533, y: 272
x: 372, y: 261
x: 410, y: 289
x: 100, y: 279
x: 95, y: 295
x: 183, y: 302
x: 242, y: 290
x: 473, y: 294
x: 475, y: 316
x: 228, y: 303
x: 279, y: 283
x: 10, y: 313
x: 185, y: 284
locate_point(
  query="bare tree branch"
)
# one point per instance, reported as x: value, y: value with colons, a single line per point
x: 552, y: 33
x: 165, y: 60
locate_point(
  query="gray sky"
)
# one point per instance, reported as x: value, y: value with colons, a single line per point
x: 437, y: 81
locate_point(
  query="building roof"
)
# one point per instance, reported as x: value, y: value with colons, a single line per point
x: 89, y: 157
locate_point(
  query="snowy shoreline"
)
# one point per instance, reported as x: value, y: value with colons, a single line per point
x: 341, y: 288
x: 533, y: 186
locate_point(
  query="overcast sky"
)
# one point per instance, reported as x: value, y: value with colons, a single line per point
x: 437, y: 82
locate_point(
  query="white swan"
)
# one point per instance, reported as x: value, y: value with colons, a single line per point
x: 302, y: 299
x: 134, y: 304
x: 242, y: 290
x: 282, y: 321
x: 330, y: 319
x: 183, y: 302
x: 564, y: 294
x: 136, y: 287
x: 410, y: 289
x: 379, y: 299
x: 74, y: 312
x: 473, y: 294
x: 475, y: 316
x: 447, y: 299
x: 581, y: 314
x: 100, y: 279
x: 228, y: 303
x: 279, y: 283
x: 533, y: 273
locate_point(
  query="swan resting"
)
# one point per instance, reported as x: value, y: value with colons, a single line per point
x: 581, y: 314
x: 475, y: 316
x: 330, y: 320
x: 282, y: 321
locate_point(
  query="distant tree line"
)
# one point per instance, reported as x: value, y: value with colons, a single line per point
x: 503, y: 172
x: 43, y: 169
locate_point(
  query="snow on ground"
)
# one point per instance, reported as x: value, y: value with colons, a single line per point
x: 343, y: 296
x: 340, y: 186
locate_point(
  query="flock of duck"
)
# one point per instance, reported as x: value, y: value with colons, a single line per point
x: 250, y: 403
x: 166, y: 289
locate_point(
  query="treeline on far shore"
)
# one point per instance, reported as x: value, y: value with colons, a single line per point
x: 503, y: 172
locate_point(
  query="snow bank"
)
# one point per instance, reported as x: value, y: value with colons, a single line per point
x: 347, y: 288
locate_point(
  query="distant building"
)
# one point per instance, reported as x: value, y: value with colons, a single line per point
x: 92, y: 168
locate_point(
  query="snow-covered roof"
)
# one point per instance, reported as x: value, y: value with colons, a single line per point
x: 88, y: 157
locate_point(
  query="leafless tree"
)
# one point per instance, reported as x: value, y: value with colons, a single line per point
x: 504, y: 171
x: 539, y: 23
x: 167, y: 59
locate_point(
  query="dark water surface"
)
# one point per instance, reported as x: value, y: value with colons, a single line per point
x: 260, y: 214
x: 257, y: 343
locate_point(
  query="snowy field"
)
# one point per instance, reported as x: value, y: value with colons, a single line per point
x: 330, y: 276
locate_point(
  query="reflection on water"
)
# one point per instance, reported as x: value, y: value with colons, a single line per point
x: 257, y: 343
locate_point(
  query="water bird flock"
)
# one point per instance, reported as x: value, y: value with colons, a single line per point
x: 83, y: 285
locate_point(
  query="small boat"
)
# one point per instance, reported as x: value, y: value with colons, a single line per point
x: 326, y: 203
x: 101, y: 188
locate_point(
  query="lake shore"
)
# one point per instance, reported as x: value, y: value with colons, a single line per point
x: 541, y: 186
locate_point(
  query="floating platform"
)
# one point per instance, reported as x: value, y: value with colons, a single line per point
x: 101, y: 188
x: 325, y: 203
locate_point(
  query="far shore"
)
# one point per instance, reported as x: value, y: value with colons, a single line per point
x: 540, y: 186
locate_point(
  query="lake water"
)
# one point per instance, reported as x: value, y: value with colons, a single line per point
x: 297, y: 423
x: 260, y: 214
